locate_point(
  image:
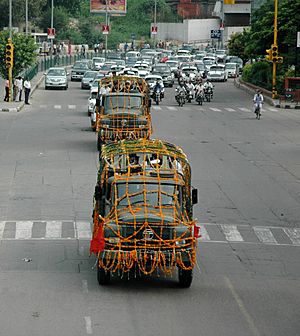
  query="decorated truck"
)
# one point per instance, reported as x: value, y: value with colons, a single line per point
x: 143, y: 211
x: 123, y: 109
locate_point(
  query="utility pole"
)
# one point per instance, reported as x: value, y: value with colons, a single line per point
x: 106, y: 35
x: 10, y: 19
x: 9, y: 75
x: 52, y: 13
x: 26, y: 17
x: 155, y: 9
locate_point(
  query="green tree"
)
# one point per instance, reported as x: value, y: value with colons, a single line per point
x: 35, y: 8
x: 24, y: 53
x: 61, y: 19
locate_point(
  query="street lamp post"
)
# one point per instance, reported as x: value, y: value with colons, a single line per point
x: 10, y: 18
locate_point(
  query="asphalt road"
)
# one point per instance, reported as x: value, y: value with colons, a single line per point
x: 247, y: 173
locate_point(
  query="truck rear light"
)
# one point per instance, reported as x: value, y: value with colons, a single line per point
x: 197, y: 233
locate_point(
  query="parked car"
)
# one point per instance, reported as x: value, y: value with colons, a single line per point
x: 87, y: 79
x: 217, y: 73
x: 56, y: 78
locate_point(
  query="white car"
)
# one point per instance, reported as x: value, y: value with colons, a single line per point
x: 151, y: 81
x: 232, y: 69
x: 98, y: 62
x: 189, y: 72
x: 217, y: 73
x: 92, y: 99
x: 143, y: 68
x: 130, y: 71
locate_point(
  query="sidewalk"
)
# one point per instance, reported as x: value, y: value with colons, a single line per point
x: 17, y: 106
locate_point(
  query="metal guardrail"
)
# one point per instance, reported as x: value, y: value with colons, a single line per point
x: 47, y: 62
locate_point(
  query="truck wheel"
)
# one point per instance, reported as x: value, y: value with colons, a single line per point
x: 103, y: 276
x: 185, y: 277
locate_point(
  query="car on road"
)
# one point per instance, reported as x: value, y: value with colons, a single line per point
x: 217, y: 73
x: 56, y: 77
x: 98, y: 62
x: 165, y: 72
x: 87, y: 79
x: 232, y: 70
x: 78, y: 70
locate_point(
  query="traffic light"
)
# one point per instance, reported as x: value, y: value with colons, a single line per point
x: 9, y: 54
x: 274, y: 53
x: 279, y: 59
x: 269, y: 55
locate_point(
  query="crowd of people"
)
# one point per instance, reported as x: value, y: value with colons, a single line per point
x: 20, y: 84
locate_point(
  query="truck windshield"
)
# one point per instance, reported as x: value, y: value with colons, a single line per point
x: 150, y: 194
x: 123, y: 104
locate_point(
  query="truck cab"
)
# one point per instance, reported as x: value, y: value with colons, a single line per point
x: 143, y: 217
x: 123, y: 110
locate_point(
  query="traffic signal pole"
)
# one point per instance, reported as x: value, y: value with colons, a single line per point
x: 9, y: 61
x: 274, y: 91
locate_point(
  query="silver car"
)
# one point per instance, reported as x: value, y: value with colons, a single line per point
x: 56, y: 78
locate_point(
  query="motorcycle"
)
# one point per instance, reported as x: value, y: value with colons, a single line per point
x: 157, y: 96
x: 200, y: 98
x: 189, y: 94
x: 180, y: 97
x: 208, y: 93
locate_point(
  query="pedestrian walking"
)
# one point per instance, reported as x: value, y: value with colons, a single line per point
x: 20, y: 87
x: 27, y: 88
x: 6, y: 98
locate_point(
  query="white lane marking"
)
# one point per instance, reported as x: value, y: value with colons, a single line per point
x: 172, y: 108
x: 85, y: 286
x: 273, y: 109
x: 53, y: 229
x: 72, y: 107
x: 244, y: 109
x: 242, y: 307
x: 229, y: 109
x: 2, y: 225
x: 23, y: 230
x: 231, y: 233
x: 215, y: 109
x: 83, y: 230
x: 43, y: 106
x: 58, y: 107
x: 156, y: 107
x: 293, y: 234
x: 88, y: 325
x: 204, y: 233
x: 265, y: 235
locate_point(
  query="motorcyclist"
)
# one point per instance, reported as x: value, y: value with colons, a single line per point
x: 158, y: 87
x: 199, y: 88
x: 208, y: 85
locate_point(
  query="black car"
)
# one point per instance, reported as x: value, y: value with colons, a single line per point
x: 165, y: 72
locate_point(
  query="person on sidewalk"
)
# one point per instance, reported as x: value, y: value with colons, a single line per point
x: 20, y: 87
x: 27, y: 88
x: 6, y: 98
x: 16, y: 88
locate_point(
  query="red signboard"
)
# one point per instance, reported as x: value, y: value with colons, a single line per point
x: 51, y: 32
x: 105, y: 29
x: 154, y: 29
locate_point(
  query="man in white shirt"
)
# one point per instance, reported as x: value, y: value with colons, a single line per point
x: 20, y: 87
x: 27, y: 87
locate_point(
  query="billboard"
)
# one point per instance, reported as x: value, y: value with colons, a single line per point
x: 110, y: 6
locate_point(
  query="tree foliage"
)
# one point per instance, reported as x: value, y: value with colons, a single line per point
x: 24, y: 53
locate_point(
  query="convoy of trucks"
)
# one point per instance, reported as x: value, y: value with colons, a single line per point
x: 143, y: 202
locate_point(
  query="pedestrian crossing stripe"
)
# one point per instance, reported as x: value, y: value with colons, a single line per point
x: 82, y: 230
x: 170, y: 108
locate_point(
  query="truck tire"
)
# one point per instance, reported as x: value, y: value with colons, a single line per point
x: 185, y: 278
x: 103, y: 276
